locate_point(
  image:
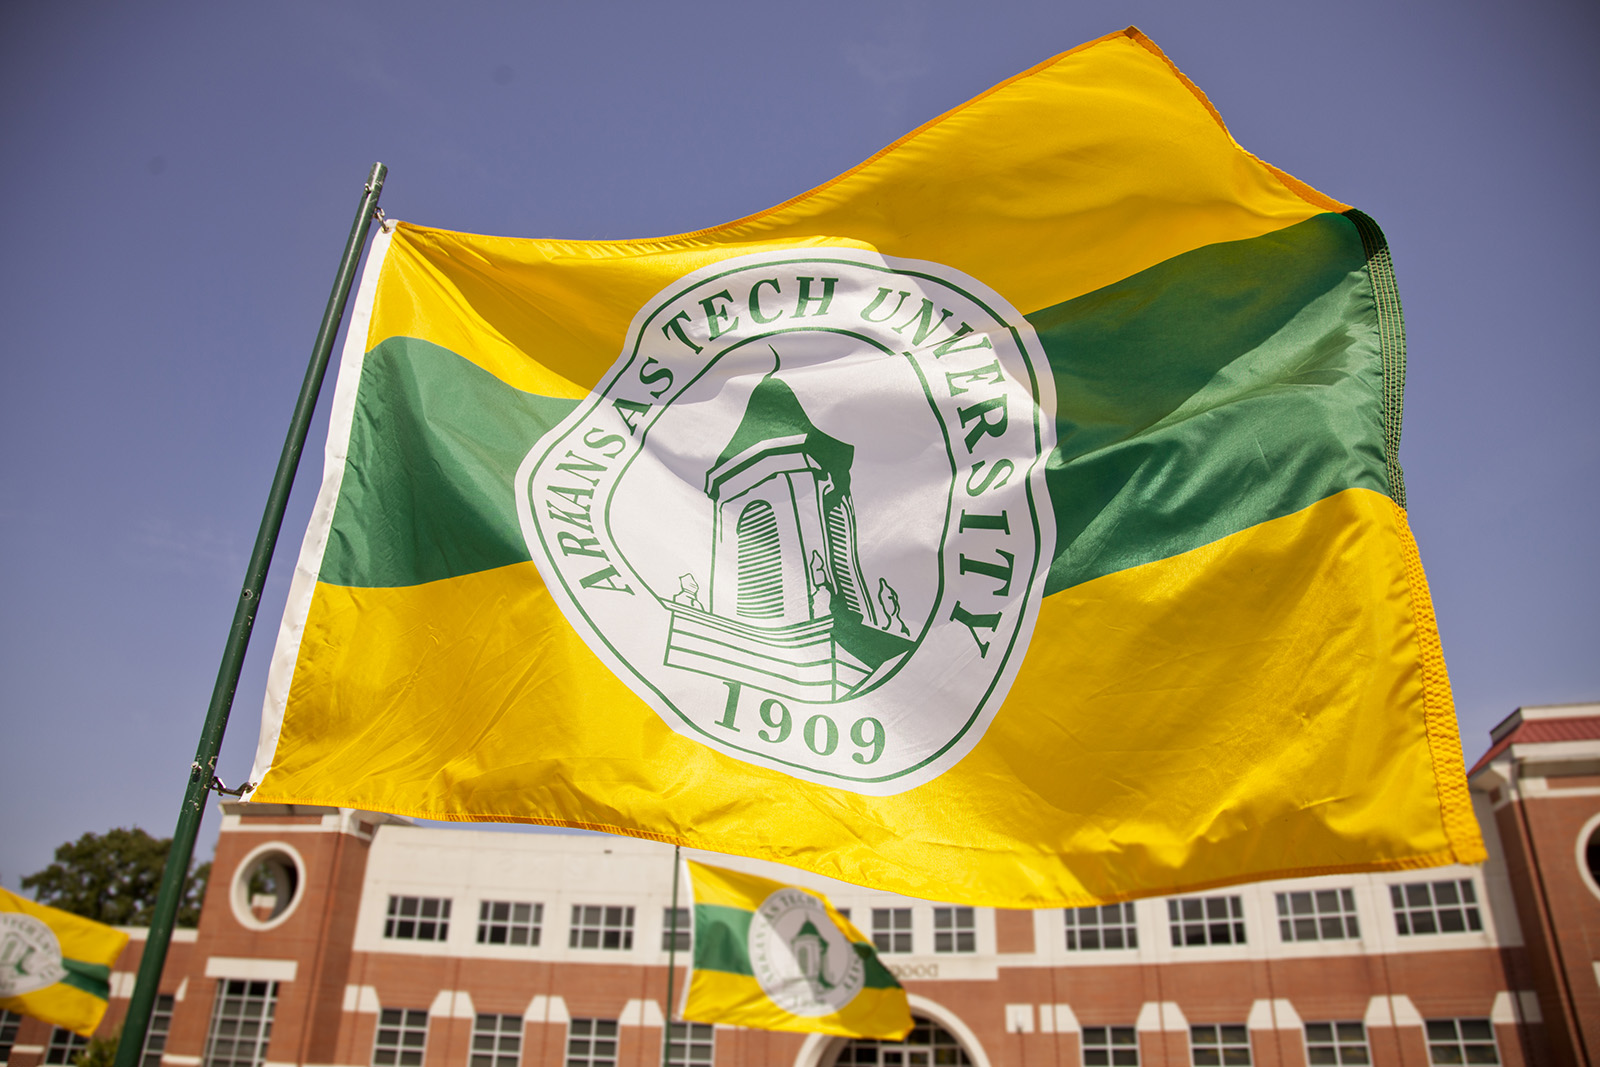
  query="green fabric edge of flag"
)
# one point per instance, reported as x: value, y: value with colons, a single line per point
x: 91, y: 978
x: 1392, y: 338
x: 1270, y: 373
x: 877, y: 975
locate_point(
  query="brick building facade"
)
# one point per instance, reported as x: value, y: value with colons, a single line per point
x: 338, y: 938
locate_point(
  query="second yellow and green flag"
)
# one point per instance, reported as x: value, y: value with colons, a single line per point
x: 778, y: 957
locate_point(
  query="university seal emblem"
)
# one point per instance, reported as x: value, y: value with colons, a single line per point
x: 801, y: 961
x: 804, y: 516
x: 30, y: 955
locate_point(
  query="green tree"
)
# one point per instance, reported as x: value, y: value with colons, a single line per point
x: 114, y: 877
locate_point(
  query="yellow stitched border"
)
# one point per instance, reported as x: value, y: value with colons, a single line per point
x: 1438, y: 710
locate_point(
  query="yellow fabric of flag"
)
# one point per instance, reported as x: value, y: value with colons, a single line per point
x: 1015, y: 519
x: 778, y: 957
x: 54, y: 965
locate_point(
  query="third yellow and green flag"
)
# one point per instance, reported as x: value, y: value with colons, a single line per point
x: 54, y: 965
x: 1015, y: 519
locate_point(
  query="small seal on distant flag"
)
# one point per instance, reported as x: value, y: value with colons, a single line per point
x: 30, y: 955
x: 801, y: 960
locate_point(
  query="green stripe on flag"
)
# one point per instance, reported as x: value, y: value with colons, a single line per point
x: 91, y: 978
x: 1218, y: 390
x: 720, y: 936
x: 434, y: 445
x: 1223, y: 388
x: 877, y: 976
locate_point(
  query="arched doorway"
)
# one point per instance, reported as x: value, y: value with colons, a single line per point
x: 927, y: 1045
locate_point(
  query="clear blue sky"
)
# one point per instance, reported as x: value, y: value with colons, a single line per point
x: 176, y: 181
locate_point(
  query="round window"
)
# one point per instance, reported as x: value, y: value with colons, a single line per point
x: 267, y: 886
x: 1589, y: 854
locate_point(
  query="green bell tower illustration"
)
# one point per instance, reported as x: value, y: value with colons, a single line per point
x: 810, y: 951
x: 788, y: 609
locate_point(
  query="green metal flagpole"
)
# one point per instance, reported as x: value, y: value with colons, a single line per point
x: 672, y: 960
x: 202, y: 773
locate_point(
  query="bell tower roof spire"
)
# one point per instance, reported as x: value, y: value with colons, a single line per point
x: 775, y: 421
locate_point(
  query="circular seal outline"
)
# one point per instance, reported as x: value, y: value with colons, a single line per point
x: 1039, y: 383
x: 784, y: 988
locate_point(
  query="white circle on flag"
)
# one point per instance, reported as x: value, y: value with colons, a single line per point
x: 30, y: 955
x: 801, y: 960
x: 804, y: 517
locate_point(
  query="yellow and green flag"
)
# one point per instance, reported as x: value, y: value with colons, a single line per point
x: 1015, y: 519
x: 778, y: 957
x: 54, y: 965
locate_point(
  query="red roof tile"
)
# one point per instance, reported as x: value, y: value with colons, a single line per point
x: 1534, y: 731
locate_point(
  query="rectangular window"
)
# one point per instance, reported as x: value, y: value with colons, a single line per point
x: 1318, y: 915
x: 691, y: 1044
x: 1206, y: 920
x: 954, y: 930
x: 508, y: 922
x: 1461, y: 1041
x: 401, y: 1039
x: 9, y: 1021
x: 1213, y: 1045
x: 496, y: 1041
x: 596, y: 926
x: 1435, y: 907
x: 681, y: 939
x: 64, y: 1046
x: 1337, y: 1044
x: 891, y: 929
x: 1110, y: 1046
x: 592, y: 1043
x: 241, y: 1023
x: 418, y: 919
x: 1107, y: 926
x: 155, y: 1036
